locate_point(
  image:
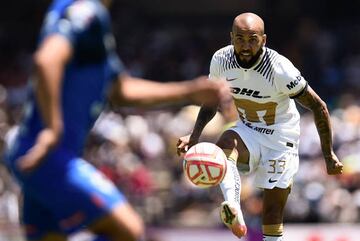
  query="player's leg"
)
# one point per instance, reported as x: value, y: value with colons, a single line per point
x: 76, y: 195
x: 37, y: 219
x: 38, y: 222
x: 230, y: 210
x: 274, y: 175
x: 234, y: 147
x: 273, y: 212
x: 121, y: 224
x: 108, y: 214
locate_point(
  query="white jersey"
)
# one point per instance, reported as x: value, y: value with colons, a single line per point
x: 262, y: 95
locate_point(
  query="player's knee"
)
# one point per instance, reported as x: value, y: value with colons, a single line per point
x: 120, y: 226
x: 132, y: 231
x: 131, y: 223
x: 137, y: 230
x: 227, y: 140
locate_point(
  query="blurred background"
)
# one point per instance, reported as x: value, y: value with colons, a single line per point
x: 173, y: 40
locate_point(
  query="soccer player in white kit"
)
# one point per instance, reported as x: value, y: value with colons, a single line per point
x: 265, y: 139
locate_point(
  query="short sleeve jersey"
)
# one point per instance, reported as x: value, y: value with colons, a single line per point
x: 263, y: 93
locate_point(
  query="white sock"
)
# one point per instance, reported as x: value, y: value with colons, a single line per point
x: 272, y: 238
x: 231, y: 187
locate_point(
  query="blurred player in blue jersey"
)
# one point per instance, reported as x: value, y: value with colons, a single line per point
x: 76, y: 72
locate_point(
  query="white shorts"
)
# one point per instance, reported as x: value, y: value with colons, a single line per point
x: 272, y: 168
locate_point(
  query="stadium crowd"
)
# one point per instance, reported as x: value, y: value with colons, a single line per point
x: 138, y: 151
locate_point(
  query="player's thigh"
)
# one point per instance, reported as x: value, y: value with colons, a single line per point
x: 274, y: 201
x: 276, y: 168
x: 123, y: 223
x: 39, y: 222
x: 111, y: 214
x: 79, y: 196
x: 230, y: 140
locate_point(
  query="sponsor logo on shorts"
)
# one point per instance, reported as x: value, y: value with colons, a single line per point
x: 262, y: 130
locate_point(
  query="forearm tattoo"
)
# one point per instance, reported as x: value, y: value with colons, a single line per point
x: 310, y: 100
x: 205, y: 115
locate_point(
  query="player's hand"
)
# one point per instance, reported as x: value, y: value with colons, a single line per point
x: 46, y: 140
x: 184, y: 143
x: 32, y: 159
x: 333, y: 165
x: 211, y: 92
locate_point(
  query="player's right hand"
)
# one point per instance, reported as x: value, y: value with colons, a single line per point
x: 184, y: 143
x: 333, y: 165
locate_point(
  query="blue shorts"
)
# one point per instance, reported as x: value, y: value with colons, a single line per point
x: 64, y: 194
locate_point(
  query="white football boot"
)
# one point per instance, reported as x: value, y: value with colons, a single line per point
x: 233, y: 219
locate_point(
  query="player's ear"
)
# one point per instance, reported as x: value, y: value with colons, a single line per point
x: 232, y: 38
x: 264, y: 40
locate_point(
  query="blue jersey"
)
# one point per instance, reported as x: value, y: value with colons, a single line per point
x: 86, y: 24
x: 65, y: 193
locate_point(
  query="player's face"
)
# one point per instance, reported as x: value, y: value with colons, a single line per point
x: 248, y: 45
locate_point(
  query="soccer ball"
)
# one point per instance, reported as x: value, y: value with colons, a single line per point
x: 205, y: 164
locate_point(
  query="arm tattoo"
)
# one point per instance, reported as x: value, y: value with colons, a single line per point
x: 310, y: 100
x: 205, y: 115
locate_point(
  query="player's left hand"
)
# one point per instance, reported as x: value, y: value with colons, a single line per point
x: 46, y: 140
x: 333, y: 165
x: 32, y: 159
x: 210, y: 92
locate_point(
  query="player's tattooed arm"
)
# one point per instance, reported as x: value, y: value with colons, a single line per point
x: 310, y: 100
x: 205, y: 115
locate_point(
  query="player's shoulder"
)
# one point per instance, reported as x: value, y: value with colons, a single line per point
x: 75, y: 14
x: 82, y: 13
x: 225, y: 58
x: 85, y: 8
x: 70, y: 7
x: 280, y: 62
x: 270, y: 57
x: 272, y: 61
x: 224, y: 53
